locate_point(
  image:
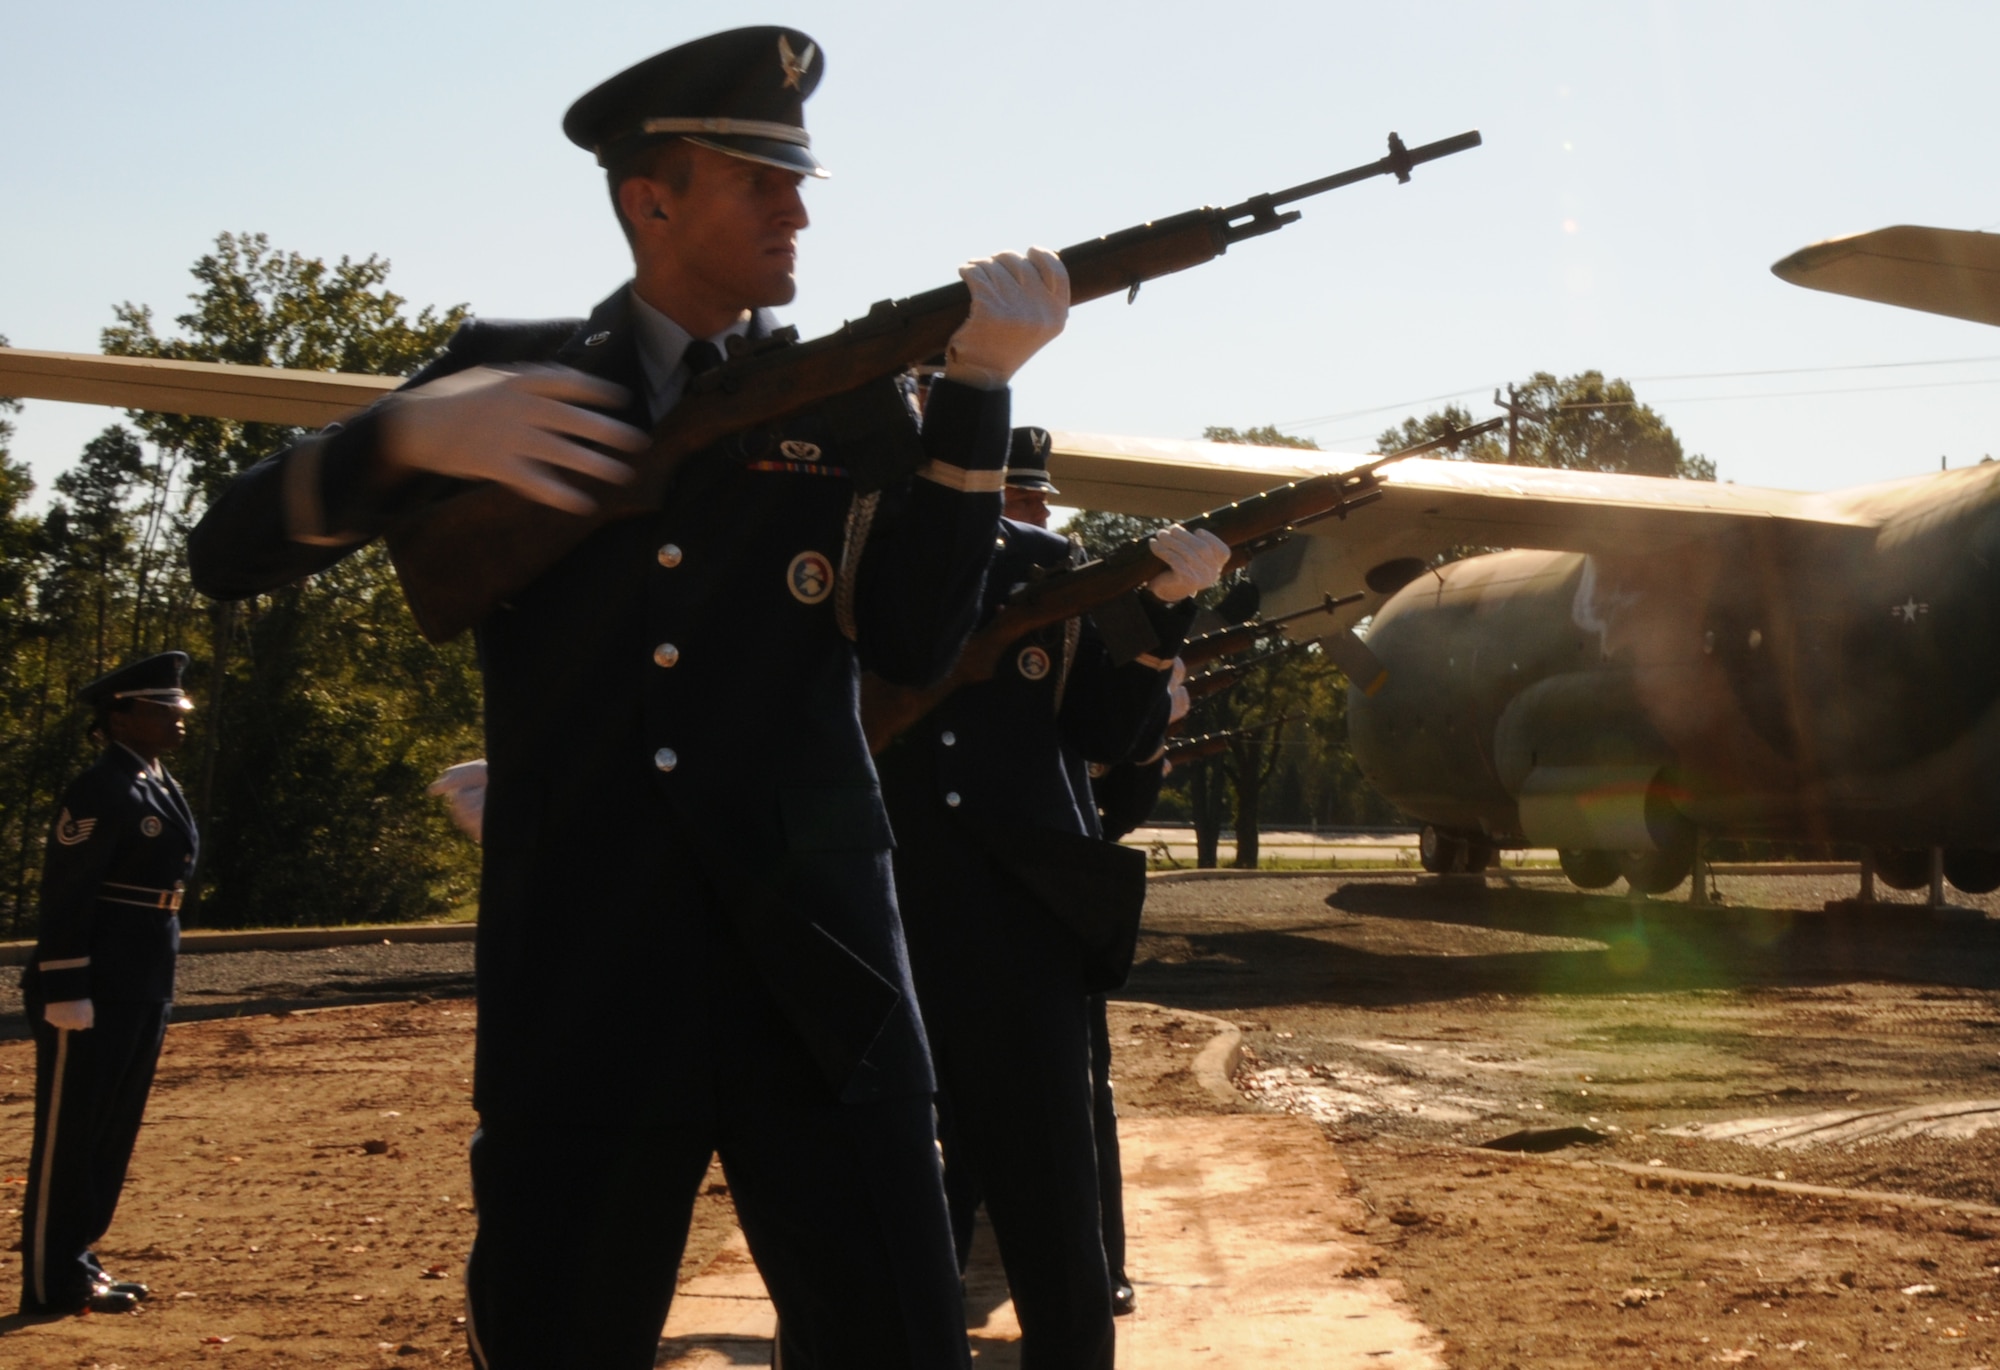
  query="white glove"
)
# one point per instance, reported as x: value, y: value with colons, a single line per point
x: 1178, y: 706
x: 1195, y: 561
x: 511, y: 427
x: 464, y: 789
x: 1018, y: 305
x: 71, y: 1015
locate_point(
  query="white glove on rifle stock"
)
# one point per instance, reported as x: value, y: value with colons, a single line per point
x: 464, y: 789
x: 1018, y: 305
x: 1195, y: 561
x: 515, y: 427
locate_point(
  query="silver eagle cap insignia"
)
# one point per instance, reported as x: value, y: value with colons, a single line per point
x: 796, y: 65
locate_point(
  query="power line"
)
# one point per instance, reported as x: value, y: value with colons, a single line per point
x: 1324, y: 419
x: 1812, y: 370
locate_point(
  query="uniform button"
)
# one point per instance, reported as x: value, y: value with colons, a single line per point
x: 950, y: 739
x: 951, y: 799
x: 669, y: 555
x: 665, y: 759
x: 666, y: 655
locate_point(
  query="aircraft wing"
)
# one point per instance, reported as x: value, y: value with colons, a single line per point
x: 1428, y: 506
x: 1938, y: 270
x: 254, y: 394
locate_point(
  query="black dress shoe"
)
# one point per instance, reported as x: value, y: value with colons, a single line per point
x: 111, y: 1298
x: 132, y: 1287
x: 1123, y: 1299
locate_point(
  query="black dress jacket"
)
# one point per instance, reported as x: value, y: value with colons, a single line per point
x: 120, y: 853
x: 673, y: 738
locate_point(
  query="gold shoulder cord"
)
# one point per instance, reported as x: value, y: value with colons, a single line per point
x: 860, y: 519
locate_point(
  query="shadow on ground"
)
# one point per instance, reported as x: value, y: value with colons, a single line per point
x: 1371, y: 943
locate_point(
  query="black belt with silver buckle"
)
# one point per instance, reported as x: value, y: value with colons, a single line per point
x: 145, y: 896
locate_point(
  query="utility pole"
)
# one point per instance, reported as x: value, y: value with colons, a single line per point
x: 1514, y: 410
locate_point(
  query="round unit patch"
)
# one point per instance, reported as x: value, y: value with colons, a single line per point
x: 1032, y: 663
x: 809, y: 577
x: 150, y: 826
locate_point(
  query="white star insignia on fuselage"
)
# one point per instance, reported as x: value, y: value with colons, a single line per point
x: 1909, y: 610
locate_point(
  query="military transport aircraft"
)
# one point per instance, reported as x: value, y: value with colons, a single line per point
x: 1655, y: 658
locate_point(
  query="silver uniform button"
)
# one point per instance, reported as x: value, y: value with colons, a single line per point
x: 950, y: 738
x: 669, y: 555
x: 665, y: 759
x: 666, y: 655
x: 951, y: 799
x: 597, y: 340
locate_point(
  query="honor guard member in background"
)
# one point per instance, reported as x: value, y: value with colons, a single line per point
x: 1124, y: 793
x: 1016, y: 912
x: 688, y: 940
x: 101, y: 983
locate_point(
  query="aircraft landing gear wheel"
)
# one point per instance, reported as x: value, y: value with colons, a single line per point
x: 1441, y: 853
x: 1655, y: 872
x: 1903, y: 868
x: 1590, y: 870
x: 1972, y: 871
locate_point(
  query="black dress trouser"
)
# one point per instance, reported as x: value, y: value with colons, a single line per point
x: 1104, y: 1115
x: 582, y: 1223
x: 90, y: 1096
x: 1001, y: 986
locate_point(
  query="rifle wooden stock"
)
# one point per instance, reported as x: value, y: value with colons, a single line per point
x: 887, y: 710
x: 462, y: 555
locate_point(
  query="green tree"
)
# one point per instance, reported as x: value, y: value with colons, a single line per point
x: 323, y: 713
x: 1576, y: 423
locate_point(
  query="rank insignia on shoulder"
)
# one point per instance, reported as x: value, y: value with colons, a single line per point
x: 799, y: 451
x: 72, y: 832
x: 150, y: 826
x: 1032, y: 663
x: 809, y: 577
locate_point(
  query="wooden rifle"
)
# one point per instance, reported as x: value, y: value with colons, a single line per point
x: 460, y: 556
x: 1197, y: 652
x: 1249, y: 526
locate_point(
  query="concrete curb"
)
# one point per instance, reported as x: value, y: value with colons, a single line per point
x: 1215, y: 1065
x: 201, y: 940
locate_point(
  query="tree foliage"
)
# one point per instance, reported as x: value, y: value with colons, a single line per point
x: 1576, y: 423
x: 322, y: 713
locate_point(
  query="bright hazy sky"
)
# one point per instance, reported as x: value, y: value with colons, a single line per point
x: 1644, y: 165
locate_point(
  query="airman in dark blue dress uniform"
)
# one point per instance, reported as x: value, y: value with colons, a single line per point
x: 1017, y: 912
x: 101, y: 983
x: 688, y: 940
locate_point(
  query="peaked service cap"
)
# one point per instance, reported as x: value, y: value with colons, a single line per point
x: 742, y: 92
x: 157, y: 678
x: 1028, y: 461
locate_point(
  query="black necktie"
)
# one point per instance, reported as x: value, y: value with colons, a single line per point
x: 701, y: 355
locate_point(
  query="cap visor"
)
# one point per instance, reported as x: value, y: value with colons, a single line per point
x: 768, y: 151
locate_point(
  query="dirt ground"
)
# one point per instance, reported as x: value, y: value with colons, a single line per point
x: 299, y: 1194
x: 1416, y: 1019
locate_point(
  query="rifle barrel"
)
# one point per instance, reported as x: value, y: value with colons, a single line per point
x: 1392, y: 165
